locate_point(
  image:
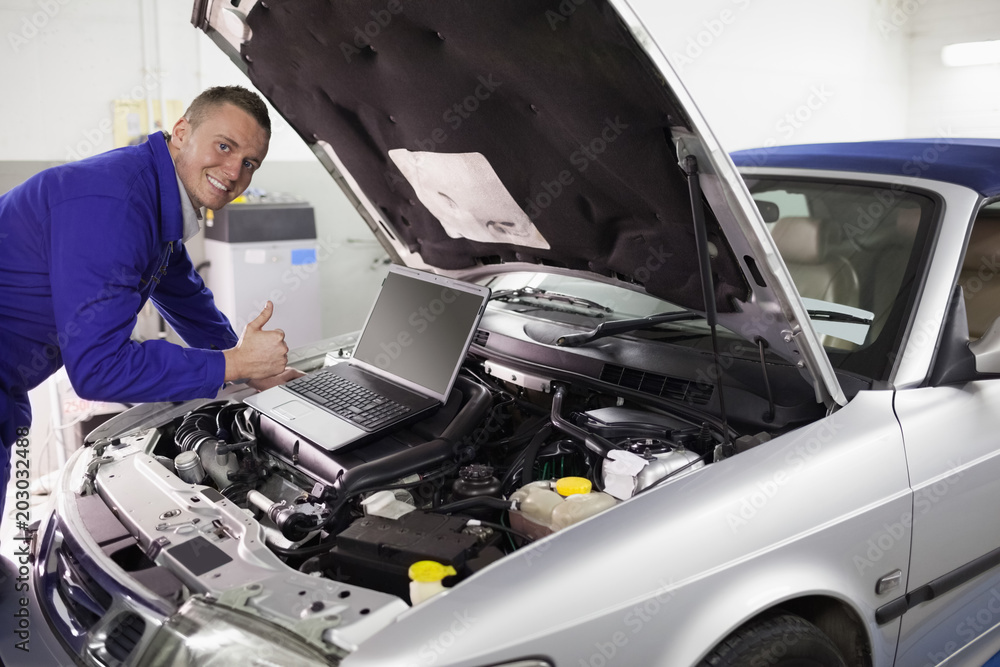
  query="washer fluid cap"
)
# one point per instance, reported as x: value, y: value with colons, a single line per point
x: 569, y: 486
x: 427, y: 571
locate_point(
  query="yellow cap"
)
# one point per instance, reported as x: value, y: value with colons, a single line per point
x: 568, y: 486
x: 430, y: 570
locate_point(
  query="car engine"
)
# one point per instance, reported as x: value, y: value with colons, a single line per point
x: 498, y: 466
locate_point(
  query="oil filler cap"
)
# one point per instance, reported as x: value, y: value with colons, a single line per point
x: 569, y: 486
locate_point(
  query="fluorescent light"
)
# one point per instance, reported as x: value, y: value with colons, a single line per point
x: 971, y: 53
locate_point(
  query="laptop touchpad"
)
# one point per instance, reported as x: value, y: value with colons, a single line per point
x: 293, y: 409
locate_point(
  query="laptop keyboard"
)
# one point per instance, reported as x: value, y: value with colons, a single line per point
x: 348, y: 400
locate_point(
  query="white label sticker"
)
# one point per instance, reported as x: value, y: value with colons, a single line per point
x: 255, y: 256
x: 467, y: 197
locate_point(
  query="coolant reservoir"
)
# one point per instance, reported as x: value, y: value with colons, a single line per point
x: 545, y: 507
x: 578, y: 507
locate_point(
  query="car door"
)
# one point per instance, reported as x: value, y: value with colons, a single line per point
x: 952, y: 441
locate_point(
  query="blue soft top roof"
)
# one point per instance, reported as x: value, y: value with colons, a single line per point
x: 974, y: 163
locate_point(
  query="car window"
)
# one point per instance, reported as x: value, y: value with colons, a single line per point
x: 789, y: 204
x: 980, y: 274
x: 853, y: 258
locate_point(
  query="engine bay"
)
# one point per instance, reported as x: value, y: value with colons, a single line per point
x: 507, y: 460
x: 213, y: 507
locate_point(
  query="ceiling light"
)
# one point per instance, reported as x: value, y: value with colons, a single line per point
x: 971, y: 53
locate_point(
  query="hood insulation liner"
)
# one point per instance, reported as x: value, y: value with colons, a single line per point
x: 564, y: 106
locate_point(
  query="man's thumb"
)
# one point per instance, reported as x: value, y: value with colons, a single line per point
x: 265, y: 315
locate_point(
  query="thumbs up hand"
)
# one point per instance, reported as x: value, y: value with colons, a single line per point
x: 260, y: 353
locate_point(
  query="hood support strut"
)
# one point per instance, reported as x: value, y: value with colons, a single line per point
x: 707, y: 288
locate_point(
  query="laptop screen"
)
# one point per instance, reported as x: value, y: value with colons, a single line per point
x: 419, y: 330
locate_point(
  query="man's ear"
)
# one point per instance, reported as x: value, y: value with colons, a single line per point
x: 181, y: 130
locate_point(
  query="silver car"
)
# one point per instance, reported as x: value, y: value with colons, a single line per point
x: 701, y: 421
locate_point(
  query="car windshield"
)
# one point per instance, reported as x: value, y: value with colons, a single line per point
x: 852, y: 251
x: 579, y: 302
x: 597, y: 299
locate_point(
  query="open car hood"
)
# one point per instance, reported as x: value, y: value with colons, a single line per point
x: 535, y: 134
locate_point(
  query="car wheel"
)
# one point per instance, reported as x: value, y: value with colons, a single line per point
x: 776, y: 641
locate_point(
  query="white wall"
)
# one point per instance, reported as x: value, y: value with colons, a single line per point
x: 953, y: 101
x: 63, y: 62
x: 787, y: 71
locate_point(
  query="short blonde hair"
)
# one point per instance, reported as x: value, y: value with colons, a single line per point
x: 238, y: 96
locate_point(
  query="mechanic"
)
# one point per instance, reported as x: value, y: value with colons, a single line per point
x: 85, y: 244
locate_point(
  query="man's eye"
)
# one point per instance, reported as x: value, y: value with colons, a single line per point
x: 224, y: 148
x: 248, y: 165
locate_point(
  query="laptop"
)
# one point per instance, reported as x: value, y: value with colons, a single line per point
x: 404, y: 365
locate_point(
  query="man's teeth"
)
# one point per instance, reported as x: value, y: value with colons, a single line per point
x: 218, y: 184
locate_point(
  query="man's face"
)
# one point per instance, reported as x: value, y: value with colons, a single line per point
x: 216, y: 160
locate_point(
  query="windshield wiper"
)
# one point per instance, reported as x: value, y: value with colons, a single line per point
x: 516, y: 295
x: 605, y: 329
x: 836, y: 316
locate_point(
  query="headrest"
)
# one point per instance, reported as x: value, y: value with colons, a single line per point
x: 801, y: 240
x: 984, y: 245
x: 874, y: 234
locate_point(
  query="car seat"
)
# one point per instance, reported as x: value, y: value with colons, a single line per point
x: 808, y: 248
x: 980, y: 274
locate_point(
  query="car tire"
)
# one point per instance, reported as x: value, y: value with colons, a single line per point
x: 784, y: 640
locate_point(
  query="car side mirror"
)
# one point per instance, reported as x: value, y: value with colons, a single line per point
x: 986, y: 350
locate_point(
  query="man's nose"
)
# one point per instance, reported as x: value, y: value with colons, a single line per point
x: 232, y: 168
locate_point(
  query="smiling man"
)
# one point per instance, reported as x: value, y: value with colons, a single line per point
x: 218, y: 143
x: 84, y: 245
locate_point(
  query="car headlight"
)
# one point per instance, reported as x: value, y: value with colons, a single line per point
x: 206, y: 634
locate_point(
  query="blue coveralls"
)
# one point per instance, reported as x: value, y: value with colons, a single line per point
x: 82, y: 247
